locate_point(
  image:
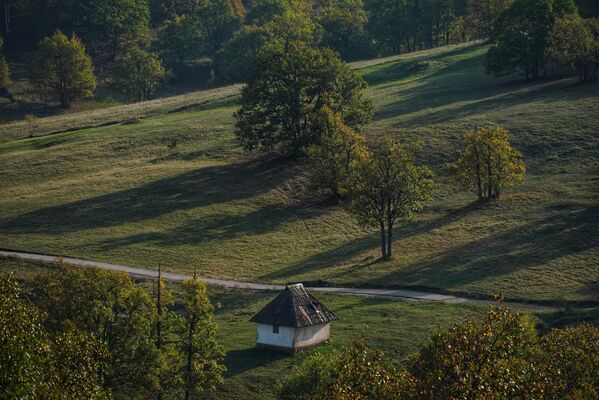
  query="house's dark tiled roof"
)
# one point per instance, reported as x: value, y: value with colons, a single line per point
x: 294, y: 307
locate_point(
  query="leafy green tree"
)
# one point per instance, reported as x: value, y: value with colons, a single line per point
x: 202, y: 367
x: 494, y: 360
x: 77, y: 363
x: 24, y: 352
x: 393, y: 25
x: 520, y: 36
x: 357, y: 373
x: 178, y: 40
x: 286, y: 91
x: 388, y: 187
x: 333, y: 160
x: 570, y: 356
x: 488, y: 163
x: 574, y: 44
x: 218, y: 20
x: 239, y: 52
x: 344, y: 25
x: 482, y: 15
x: 500, y: 358
x: 140, y: 74
x: 35, y: 364
x: 62, y: 69
x: 113, y: 26
x: 235, y: 60
x: 111, y: 307
x: 165, y: 325
x: 264, y: 11
x: 164, y: 10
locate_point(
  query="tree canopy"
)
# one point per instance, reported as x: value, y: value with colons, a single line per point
x: 62, y: 69
x: 488, y: 163
x: 501, y: 358
x: 388, y: 187
x: 520, y: 36
x: 574, y: 44
x: 140, y: 74
x: 288, y: 88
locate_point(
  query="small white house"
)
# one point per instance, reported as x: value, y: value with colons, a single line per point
x: 293, y: 321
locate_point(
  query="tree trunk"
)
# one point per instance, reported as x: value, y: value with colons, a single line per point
x: 389, y: 238
x: 383, y: 247
x: 159, y: 321
x: 7, y: 16
x: 189, y: 361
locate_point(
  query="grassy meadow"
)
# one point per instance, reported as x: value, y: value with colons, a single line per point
x: 166, y: 181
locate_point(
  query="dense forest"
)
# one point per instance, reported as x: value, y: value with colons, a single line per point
x: 138, y: 45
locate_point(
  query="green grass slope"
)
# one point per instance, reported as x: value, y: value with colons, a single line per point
x: 176, y: 187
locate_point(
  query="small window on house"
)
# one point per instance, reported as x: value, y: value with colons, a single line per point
x: 275, y: 329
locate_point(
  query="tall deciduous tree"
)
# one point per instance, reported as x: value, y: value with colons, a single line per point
x: 574, y: 44
x: 488, y: 163
x: 389, y: 187
x: 140, y: 74
x: 520, y: 36
x: 288, y: 88
x: 62, y: 69
x: 202, y: 368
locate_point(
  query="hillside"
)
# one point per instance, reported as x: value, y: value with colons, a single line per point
x: 171, y: 184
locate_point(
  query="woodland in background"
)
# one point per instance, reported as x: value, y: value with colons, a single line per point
x: 140, y: 44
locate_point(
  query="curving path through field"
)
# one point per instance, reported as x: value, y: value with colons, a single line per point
x: 143, y: 273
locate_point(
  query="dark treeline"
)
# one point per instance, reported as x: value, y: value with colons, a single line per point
x: 355, y: 28
x: 140, y: 44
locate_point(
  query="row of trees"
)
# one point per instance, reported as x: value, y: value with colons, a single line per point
x: 62, y: 70
x: 302, y: 100
x: 504, y: 358
x: 531, y: 35
x: 95, y: 334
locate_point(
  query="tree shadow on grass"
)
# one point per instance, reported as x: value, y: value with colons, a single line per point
x: 480, y: 102
x: 351, y: 249
x: 202, y: 187
x: 219, y: 227
x: 570, y: 229
x: 240, y: 361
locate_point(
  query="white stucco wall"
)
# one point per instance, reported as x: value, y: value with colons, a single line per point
x: 311, y: 335
x: 282, y: 339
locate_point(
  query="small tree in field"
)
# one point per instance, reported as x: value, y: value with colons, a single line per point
x: 574, y: 44
x: 141, y: 74
x: 488, y: 164
x: 62, y: 69
x: 388, y: 188
x: 332, y: 161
